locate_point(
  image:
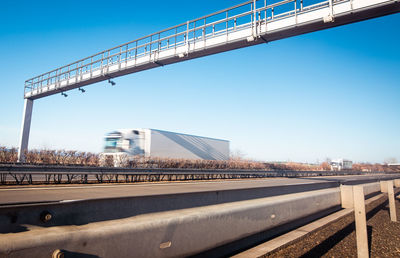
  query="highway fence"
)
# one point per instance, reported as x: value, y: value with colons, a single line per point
x: 41, y: 174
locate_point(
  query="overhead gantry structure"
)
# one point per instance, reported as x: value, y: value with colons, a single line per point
x: 250, y: 23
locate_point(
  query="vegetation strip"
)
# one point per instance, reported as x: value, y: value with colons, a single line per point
x: 87, y: 159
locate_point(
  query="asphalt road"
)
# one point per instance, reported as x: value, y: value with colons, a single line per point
x: 29, y: 194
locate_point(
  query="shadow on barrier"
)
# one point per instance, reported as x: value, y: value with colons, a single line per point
x: 241, y: 245
x: 69, y: 254
x: 319, y: 250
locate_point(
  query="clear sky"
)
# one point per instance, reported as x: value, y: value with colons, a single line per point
x: 328, y: 94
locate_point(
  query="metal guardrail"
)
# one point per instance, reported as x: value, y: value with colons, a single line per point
x: 85, y: 227
x: 29, y: 174
x: 250, y: 14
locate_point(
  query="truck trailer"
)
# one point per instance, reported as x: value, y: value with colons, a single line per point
x: 164, y: 144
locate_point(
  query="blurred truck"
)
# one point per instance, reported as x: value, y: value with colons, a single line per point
x: 163, y: 144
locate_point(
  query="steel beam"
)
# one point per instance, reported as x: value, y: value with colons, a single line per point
x: 25, y: 129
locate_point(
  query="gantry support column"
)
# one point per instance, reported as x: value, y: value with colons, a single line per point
x: 25, y: 128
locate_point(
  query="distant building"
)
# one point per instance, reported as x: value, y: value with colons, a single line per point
x: 341, y: 164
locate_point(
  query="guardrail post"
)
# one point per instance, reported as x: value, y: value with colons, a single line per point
x: 383, y: 186
x: 25, y: 129
x: 392, y: 204
x: 361, y: 221
x: 353, y: 197
x: 346, y: 194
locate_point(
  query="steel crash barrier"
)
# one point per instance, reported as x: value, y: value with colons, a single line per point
x: 37, y: 231
x: 29, y: 174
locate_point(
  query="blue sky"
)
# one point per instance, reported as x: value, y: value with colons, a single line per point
x: 328, y: 94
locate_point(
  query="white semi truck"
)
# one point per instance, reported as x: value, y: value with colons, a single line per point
x: 341, y: 164
x: 163, y: 144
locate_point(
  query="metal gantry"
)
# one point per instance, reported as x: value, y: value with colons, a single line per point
x: 250, y: 23
x: 177, y: 41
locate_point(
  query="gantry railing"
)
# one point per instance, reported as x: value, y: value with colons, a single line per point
x: 176, y: 40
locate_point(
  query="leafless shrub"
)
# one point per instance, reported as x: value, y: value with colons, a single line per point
x: 75, y: 158
x: 8, y: 155
x: 50, y: 157
x: 121, y: 160
x: 108, y: 161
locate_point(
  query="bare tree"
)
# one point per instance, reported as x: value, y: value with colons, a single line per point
x: 391, y: 160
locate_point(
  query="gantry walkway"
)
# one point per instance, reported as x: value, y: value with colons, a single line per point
x: 246, y: 24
